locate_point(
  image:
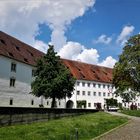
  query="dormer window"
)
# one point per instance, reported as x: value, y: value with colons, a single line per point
x: 2, y: 41
x: 25, y: 59
x: 17, y: 47
x: 10, y: 54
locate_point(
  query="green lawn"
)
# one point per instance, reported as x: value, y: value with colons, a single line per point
x: 131, y: 112
x: 89, y: 126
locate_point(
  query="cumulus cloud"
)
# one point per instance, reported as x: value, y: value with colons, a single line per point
x: 71, y: 50
x: 22, y: 18
x: 102, y: 39
x: 40, y: 45
x: 125, y: 33
x: 76, y: 51
x: 89, y: 56
x: 108, y: 62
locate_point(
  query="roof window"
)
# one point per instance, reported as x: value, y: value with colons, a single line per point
x: 10, y: 54
x: 25, y: 59
x: 2, y: 41
x: 17, y: 47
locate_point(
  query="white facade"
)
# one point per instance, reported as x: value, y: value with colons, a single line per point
x: 92, y: 92
x: 18, y: 95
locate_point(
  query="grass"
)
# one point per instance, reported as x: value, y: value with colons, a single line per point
x: 131, y: 112
x: 89, y: 126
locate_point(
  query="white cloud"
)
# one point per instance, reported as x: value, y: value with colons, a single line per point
x: 108, y: 62
x: 71, y: 50
x: 89, y: 56
x: 40, y: 45
x: 103, y: 39
x: 21, y: 18
x: 76, y: 51
x: 125, y: 33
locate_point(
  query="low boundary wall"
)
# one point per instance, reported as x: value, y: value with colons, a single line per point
x: 21, y: 115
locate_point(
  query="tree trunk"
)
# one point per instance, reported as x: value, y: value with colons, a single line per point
x: 53, y: 103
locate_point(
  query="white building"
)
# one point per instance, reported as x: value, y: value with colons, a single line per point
x: 17, y: 65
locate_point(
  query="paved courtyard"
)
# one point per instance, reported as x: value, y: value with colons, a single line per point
x: 131, y: 131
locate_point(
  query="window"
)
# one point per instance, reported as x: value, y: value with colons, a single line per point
x: 88, y: 84
x: 12, y: 82
x: 2, y: 41
x: 88, y: 93
x: 95, y: 104
x: 33, y: 73
x: 25, y: 59
x: 104, y: 94
x: 10, y: 54
x: 83, y: 84
x: 138, y: 104
x: 47, y: 102
x: 94, y: 85
x: 99, y: 85
x: 99, y: 93
x: 11, y: 101
x: 32, y: 102
x: 103, y: 86
x: 17, y: 47
x: 108, y: 94
x: 89, y: 104
x: 59, y: 103
x: 78, y: 92
x: 94, y: 93
x: 13, y: 67
x: 83, y: 93
x: 78, y: 83
x: 108, y: 86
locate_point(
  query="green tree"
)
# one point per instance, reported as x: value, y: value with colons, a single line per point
x: 111, y: 102
x: 53, y: 79
x: 126, y: 73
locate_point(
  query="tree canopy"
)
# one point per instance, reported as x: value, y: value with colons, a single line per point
x: 52, y: 78
x: 126, y: 73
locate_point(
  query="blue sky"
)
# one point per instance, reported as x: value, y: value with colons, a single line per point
x: 90, y: 31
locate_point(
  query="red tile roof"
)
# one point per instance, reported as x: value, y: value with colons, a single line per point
x: 15, y: 49
x: 84, y: 71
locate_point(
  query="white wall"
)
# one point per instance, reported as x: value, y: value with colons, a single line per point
x: 20, y: 93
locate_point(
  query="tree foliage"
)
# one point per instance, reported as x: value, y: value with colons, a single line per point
x: 53, y: 79
x: 126, y: 73
x: 111, y: 102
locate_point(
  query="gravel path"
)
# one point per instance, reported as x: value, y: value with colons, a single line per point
x: 131, y: 131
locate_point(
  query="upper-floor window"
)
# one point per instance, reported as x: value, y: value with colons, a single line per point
x: 83, y: 84
x: 83, y: 93
x: 99, y: 85
x: 78, y: 83
x: 88, y: 93
x: 103, y: 86
x: 108, y: 86
x: 103, y: 93
x: 78, y: 92
x: 12, y: 82
x: 88, y: 84
x: 13, y: 67
x: 99, y: 93
x: 108, y: 94
x: 94, y: 93
x: 94, y: 85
